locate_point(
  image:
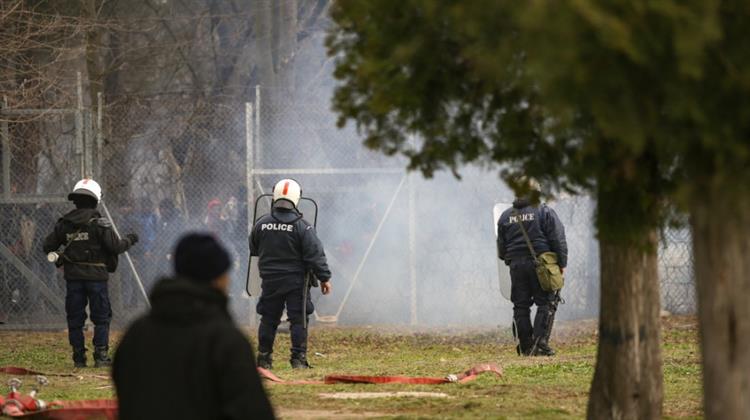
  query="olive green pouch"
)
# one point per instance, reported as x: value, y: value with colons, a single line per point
x: 547, y: 270
x: 549, y: 273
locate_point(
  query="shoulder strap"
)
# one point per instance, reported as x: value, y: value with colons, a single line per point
x: 525, y: 234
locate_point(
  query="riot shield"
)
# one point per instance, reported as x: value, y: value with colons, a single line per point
x: 309, y: 209
x: 503, y: 271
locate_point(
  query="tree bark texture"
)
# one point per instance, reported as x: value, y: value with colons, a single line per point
x: 628, y: 381
x: 721, y: 247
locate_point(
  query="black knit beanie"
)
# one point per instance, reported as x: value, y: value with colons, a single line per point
x: 200, y: 257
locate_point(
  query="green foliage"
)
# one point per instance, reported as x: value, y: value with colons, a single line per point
x: 636, y: 101
x: 447, y: 71
x: 456, y: 75
x: 666, y: 81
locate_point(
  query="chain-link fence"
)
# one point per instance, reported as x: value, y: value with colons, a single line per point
x: 42, y: 153
x: 676, y: 271
x: 166, y: 165
x: 403, y: 250
x: 174, y: 164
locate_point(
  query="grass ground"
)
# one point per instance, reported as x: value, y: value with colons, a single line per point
x: 544, y: 388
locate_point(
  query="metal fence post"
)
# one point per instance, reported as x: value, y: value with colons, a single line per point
x: 79, y: 148
x: 99, y: 133
x: 257, y: 125
x: 6, y: 150
x: 249, y: 180
x: 88, y: 140
x: 249, y: 164
x: 412, y: 250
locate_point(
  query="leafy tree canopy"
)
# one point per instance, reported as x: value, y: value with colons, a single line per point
x: 433, y: 69
x: 669, y: 73
x: 623, y: 98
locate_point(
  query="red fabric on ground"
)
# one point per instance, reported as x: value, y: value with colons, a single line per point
x: 467, y: 376
x: 77, y: 410
x: 12, y: 370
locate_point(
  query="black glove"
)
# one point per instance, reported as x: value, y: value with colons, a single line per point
x: 132, y: 238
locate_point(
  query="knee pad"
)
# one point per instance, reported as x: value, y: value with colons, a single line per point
x: 295, y: 318
x: 76, y: 322
x: 521, y: 313
x: 271, y: 322
x: 99, y: 318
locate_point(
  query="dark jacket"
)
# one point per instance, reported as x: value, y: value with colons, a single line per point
x: 187, y: 360
x: 544, y: 228
x: 93, y: 242
x: 286, y: 247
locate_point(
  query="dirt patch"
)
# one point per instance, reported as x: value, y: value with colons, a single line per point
x: 324, y: 414
x: 370, y: 395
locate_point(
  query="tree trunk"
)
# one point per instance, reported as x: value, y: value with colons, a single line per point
x: 264, y: 43
x: 286, y: 29
x: 721, y: 247
x: 94, y: 49
x: 628, y: 378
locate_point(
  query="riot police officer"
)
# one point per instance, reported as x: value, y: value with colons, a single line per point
x: 287, y: 248
x: 86, y: 246
x: 546, y: 234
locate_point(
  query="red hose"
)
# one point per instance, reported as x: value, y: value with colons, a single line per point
x: 69, y: 410
x: 464, y: 377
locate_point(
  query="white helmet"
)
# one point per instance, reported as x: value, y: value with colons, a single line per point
x: 287, y: 189
x: 88, y: 187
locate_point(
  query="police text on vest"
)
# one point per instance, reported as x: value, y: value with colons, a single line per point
x: 277, y: 226
x: 526, y: 217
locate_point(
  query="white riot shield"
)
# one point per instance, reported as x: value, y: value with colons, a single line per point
x: 503, y: 271
x: 253, y: 287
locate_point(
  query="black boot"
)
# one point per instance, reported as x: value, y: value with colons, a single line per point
x: 79, y: 358
x: 525, y: 347
x: 522, y: 331
x: 299, y: 361
x: 543, y: 322
x: 265, y: 360
x: 101, y: 357
x: 543, y: 349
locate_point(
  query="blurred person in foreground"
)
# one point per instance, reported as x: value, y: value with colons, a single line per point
x: 85, y: 245
x: 287, y: 248
x: 186, y: 359
x: 527, y: 230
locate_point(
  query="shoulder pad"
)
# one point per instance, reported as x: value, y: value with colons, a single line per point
x: 103, y: 222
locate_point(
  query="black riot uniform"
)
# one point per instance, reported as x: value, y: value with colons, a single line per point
x: 91, y: 253
x: 546, y: 234
x: 287, y: 248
